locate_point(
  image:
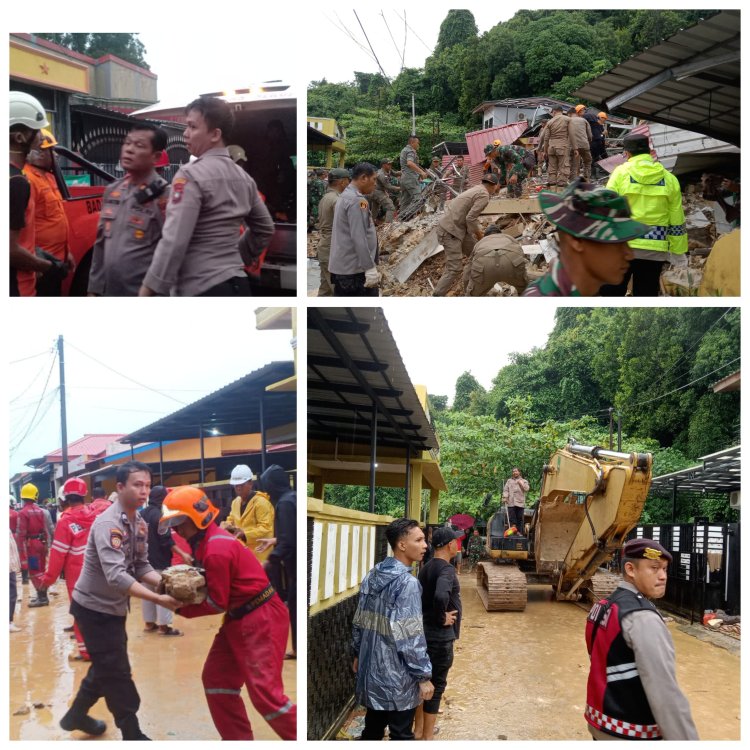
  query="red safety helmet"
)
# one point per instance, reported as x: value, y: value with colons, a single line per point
x: 163, y: 160
x: 75, y: 486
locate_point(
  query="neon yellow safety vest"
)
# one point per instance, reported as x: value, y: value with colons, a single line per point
x: 655, y: 199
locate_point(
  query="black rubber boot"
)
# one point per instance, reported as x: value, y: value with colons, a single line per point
x: 41, y: 599
x: 24, y: 576
x: 79, y: 719
x: 131, y: 729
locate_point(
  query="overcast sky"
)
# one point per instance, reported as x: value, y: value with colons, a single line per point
x: 177, y: 347
x: 440, y: 340
x: 336, y: 55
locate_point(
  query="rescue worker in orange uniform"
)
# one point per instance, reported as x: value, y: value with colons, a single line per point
x: 34, y: 537
x: 50, y: 222
x: 69, y: 545
x: 249, y: 647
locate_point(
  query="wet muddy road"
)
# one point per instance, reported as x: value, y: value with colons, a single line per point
x: 522, y: 675
x: 167, y: 673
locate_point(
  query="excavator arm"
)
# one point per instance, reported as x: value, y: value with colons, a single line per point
x: 590, y: 499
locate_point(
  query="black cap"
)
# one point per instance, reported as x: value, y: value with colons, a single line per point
x: 645, y: 549
x: 444, y: 535
x: 492, y: 178
x: 635, y: 141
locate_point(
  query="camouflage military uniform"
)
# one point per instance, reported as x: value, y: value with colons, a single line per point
x: 381, y: 196
x: 555, y: 283
x: 316, y: 189
x: 476, y: 546
x: 509, y: 162
x: 409, y: 179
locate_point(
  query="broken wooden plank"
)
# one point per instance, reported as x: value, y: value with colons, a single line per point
x: 428, y: 247
x: 512, y: 206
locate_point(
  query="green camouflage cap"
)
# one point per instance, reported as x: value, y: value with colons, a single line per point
x: 489, y: 148
x: 592, y: 213
x: 338, y: 174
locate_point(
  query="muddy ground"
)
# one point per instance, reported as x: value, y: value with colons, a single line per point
x: 167, y: 673
x: 522, y: 675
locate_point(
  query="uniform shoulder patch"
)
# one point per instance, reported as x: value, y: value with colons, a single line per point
x: 364, y: 204
x: 115, y: 538
x: 178, y: 186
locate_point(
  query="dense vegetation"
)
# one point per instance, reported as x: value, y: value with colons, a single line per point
x: 535, y: 53
x: 125, y: 46
x: 653, y: 366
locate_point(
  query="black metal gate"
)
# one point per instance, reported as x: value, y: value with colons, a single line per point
x: 705, y: 572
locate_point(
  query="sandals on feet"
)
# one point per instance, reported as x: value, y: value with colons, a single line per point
x: 150, y: 627
x: 169, y: 630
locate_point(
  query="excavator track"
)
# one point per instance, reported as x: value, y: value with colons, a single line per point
x: 502, y: 588
x: 601, y: 585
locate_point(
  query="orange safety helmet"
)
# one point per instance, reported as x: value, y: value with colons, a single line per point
x: 602, y: 116
x: 75, y: 486
x: 579, y: 107
x: 47, y: 140
x: 186, y: 502
x: 497, y: 142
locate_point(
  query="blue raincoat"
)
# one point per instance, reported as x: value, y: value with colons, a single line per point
x: 388, y: 638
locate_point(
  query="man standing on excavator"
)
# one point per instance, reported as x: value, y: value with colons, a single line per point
x: 632, y: 691
x: 514, y: 497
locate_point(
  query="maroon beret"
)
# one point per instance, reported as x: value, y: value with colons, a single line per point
x: 645, y: 549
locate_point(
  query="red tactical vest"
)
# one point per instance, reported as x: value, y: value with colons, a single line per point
x: 616, y: 702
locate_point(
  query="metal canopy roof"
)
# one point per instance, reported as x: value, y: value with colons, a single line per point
x: 315, y: 137
x: 232, y: 410
x: 690, y: 80
x: 352, y: 360
x: 720, y: 472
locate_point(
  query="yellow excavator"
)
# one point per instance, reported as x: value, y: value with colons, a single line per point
x: 589, y: 501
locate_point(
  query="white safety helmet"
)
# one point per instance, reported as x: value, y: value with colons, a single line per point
x: 241, y: 474
x: 26, y: 110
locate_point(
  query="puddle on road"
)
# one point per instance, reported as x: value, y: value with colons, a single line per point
x: 522, y: 675
x: 166, y: 670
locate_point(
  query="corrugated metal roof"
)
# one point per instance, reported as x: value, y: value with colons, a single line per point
x: 478, y: 139
x: 691, y: 80
x: 88, y: 445
x: 351, y: 359
x: 234, y: 409
x: 719, y: 472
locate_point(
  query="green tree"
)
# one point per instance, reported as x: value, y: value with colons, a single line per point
x: 466, y: 385
x: 458, y: 27
x: 125, y: 46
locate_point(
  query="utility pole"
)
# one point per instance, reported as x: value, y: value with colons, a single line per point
x: 63, y: 417
x: 611, y: 444
x: 413, y: 117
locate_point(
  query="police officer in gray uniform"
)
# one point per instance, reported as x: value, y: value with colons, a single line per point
x: 132, y: 217
x: 354, y: 242
x: 198, y: 254
x: 116, y: 559
x: 410, y: 172
x: 338, y: 179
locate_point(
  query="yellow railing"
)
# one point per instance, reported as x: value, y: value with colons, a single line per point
x: 343, y: 550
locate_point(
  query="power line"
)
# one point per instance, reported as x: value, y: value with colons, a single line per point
x: 429, y: 49
x: 132, y: 380
x: 29, y: 386
x: 382, y: 72
x: 687, y: 351
x: 391, y: 36
x: 33, y: 356
x: 342, y: 27
x: 49, y: 374
x: 682, y: 387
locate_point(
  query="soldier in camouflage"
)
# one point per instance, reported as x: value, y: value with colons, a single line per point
x: 508, y: 163
x: 410, y: 174
x: 381, y: 198
x: 475, y: 549
x: 316, y: 189
x: 594, y: 225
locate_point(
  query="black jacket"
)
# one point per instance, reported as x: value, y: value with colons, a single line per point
x: 159, y: 545
x: 441, y: 593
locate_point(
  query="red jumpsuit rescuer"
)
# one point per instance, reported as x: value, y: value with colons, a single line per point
x: 249, y: 647
x: 69, y: 545
x: 34, y: 531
